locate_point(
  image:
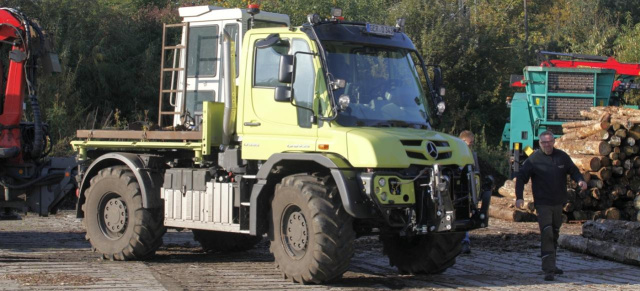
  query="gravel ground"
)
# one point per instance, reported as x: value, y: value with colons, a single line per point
x: 38, y: 253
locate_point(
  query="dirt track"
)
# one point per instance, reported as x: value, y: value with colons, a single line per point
x: 51, y: 254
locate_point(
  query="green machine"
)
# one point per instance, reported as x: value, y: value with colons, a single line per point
x: 556, y: 92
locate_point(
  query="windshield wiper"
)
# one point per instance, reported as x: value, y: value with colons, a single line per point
x: 382, y: 124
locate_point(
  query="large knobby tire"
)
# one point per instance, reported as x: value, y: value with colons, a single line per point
x: 218, y: 241
x: 117, y: 225
x: 311, y: 234
x: 422, y: 254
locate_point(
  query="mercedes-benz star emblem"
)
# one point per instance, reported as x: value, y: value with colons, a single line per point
x: 432, y: 150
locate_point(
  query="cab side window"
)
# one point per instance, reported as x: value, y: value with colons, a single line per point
x: 203, y: 51
x: 267, y: 63
x: 304, y: 81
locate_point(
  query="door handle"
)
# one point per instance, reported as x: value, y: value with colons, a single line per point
x: 252, y: 124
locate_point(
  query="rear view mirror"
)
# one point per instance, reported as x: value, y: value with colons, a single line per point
x: 283, y: 94
x: 269, y: 41
x: 285, y: 72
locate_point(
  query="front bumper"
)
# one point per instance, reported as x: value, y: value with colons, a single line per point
x: 437, y: 199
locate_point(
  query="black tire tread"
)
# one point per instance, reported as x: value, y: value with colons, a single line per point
x: 426, y: 254
x: 334, y: 236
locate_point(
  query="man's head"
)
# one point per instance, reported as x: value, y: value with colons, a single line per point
x: 546, y: 142
x: 468, y: 137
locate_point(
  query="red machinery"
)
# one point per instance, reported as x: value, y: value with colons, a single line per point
x: 13, y: 31
x: 30, y: 180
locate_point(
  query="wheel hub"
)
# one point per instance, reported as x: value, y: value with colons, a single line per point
x: 297, y: 232
x: 114, y: 216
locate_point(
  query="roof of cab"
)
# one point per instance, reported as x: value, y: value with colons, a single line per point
x: 209, y: 13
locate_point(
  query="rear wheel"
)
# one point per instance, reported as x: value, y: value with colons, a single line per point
x: 423, y: 254
x: 311, y: 234
x: 212, y: 241
x: 117, y: 225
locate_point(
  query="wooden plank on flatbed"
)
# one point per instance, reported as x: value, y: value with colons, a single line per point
x: 140, y: 134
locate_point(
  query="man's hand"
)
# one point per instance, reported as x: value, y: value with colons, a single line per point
x: 519, y: 203
x: 583, y: 185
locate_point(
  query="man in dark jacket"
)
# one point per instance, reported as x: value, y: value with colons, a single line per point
x: 548, y: 169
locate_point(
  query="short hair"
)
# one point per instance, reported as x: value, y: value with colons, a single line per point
x: 466, y: 134
x: 546, y: 132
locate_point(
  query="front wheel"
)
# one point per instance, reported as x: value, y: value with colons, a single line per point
x: 117, y: 225
x: 422, y: 254
x: 311, y: 234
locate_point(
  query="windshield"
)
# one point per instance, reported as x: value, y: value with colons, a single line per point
x: 382, y: 85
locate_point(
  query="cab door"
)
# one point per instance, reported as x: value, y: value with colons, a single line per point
x: 269, y: 126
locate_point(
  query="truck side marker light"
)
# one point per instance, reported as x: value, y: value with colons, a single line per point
x: 323, y: 147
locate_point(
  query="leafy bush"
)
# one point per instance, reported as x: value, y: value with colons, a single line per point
x: 109, y: 51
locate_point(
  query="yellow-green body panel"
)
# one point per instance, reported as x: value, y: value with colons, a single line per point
x: 212, y: 113
x: 400, y: 193
x: 278, y: 129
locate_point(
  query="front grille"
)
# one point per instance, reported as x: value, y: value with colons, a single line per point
x: 567, y: 108
x: 440, y: 143
x: 415, y: 155
x: 418, y: 142
x: 442, y: 156
x: 422, y: 155
x: 411, y: 142
x: 578, y: 83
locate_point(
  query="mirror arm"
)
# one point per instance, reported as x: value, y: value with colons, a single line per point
x: 435, y: 96
x: 311, y: 33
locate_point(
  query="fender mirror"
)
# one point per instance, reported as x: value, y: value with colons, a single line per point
x: 283, y: 94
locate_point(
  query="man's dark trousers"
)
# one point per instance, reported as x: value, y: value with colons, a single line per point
x: 549, y: 220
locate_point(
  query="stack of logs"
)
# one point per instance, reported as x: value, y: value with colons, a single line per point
x: 606, y: 149
x: 608, y: 239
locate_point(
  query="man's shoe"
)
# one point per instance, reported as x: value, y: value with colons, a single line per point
x: 466, y: 249
x: 558, y: 271
x: 549, y: 277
